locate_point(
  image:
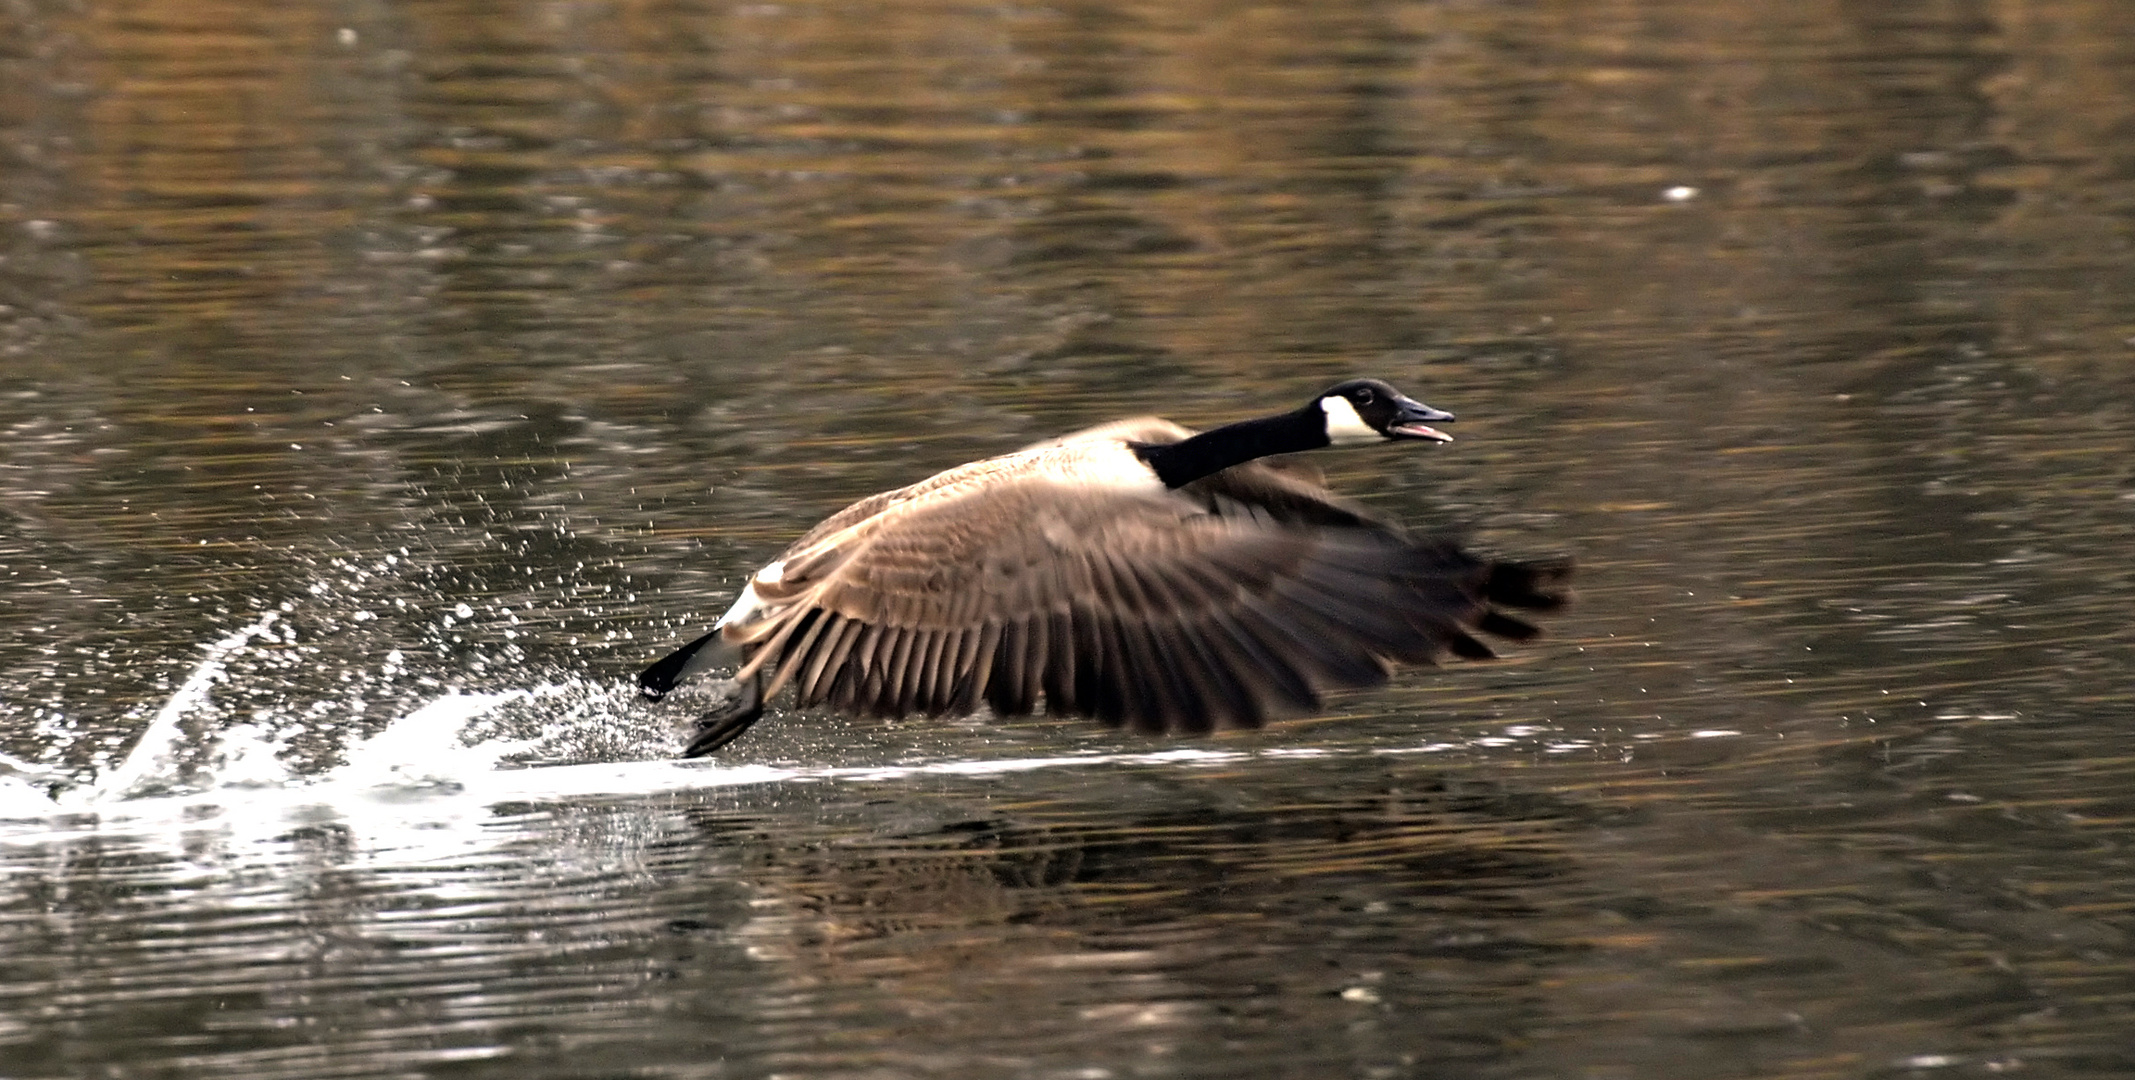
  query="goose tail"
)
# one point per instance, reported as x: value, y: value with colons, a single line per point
x: 654, y: 682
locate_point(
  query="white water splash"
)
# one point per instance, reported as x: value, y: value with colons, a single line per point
x: 425, y: 766
x: 427, y: 784
x: 153, y: 752
x: 22, y: 788
x: 425, y: 749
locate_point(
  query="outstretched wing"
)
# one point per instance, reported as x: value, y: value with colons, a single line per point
x: 1153, y: 610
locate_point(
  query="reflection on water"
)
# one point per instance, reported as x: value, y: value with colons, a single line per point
x: 380, y: 386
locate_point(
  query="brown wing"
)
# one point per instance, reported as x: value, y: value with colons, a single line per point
x: 1142, y: 610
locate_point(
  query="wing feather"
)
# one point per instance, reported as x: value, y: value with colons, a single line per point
x: 1244, y: 596
x: 1220, y: 703
x: 864, y: 668
x: 1012, y: 692
x: 930, y: 673
x: 1291, y: 687
x: 1050, y: 659
x: 1156, y: 698
x: 1212, y: 699
x: 898, y: 672
x: 1083, y: 664
x: 829, y: 653
x: 974, y: 670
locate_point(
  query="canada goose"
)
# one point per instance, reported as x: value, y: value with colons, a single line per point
x: 1135, y: 572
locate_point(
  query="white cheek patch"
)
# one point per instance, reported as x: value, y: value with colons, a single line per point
x: 1344, y: 426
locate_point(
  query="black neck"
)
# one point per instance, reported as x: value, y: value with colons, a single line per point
x: 1181, y: 463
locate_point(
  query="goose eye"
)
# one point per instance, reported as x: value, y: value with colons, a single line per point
x: 1364, y: 395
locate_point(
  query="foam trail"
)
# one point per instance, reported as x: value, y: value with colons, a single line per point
x: 486, y: 787
x: 416, y: 793
x: 153, y: 749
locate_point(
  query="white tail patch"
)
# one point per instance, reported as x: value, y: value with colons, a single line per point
x: 745, y: 605
x: 749, y: 603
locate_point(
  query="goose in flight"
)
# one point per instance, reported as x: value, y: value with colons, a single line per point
x: 1136, y: 572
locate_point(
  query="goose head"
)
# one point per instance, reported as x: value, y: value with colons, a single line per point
x: 1369, y: 411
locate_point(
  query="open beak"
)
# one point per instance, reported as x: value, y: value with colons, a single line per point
x: 1414, y: 420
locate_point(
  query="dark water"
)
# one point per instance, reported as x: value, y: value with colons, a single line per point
x: 382, y: 384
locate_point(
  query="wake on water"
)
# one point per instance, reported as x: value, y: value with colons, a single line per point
x: 428, y: 779
x: 447, y: 756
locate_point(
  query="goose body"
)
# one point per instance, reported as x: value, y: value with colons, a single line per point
x: 1136, y: 572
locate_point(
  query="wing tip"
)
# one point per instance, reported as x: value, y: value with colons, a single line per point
x: 1540, y: 585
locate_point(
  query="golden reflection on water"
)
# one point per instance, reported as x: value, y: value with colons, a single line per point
x: 1804, y: 327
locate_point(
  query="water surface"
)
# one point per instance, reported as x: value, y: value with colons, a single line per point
x: 382, y: 385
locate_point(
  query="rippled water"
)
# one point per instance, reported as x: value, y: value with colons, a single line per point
x: 382, y: 385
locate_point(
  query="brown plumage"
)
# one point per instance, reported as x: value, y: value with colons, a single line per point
x: 1060, y: 577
